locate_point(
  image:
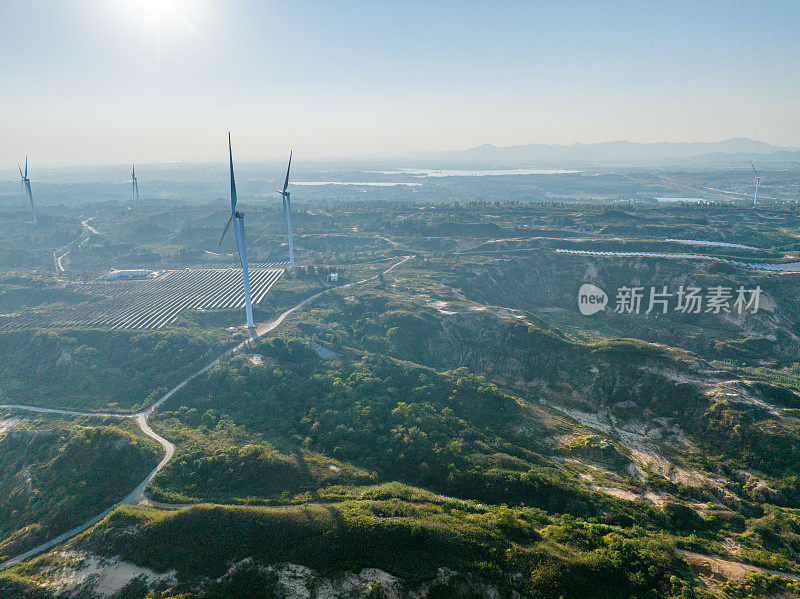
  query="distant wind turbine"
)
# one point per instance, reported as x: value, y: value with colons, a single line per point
x: 287, y: 212
x: 26, y: 187
x: 237, y: 218
x: 755, y: 198
x: 135, y: 188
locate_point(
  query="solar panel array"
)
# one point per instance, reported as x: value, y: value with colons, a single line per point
x: 153, y: 303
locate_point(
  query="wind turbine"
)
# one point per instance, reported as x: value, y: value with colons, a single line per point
x: 287, y: 212
x: 755, y: 198
x: 26, y: 187
x: 237, y: 218
x: 135, y: 188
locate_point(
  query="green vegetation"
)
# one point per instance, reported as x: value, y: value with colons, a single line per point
x: 402, y: 422
x: 756, y: 584
x: 456, y: 413
x: 19, y: 292
x: 521, y: 549
x: 56, y: 474
x: 87, y: 369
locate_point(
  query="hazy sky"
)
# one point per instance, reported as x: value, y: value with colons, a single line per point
x: 148, y: 80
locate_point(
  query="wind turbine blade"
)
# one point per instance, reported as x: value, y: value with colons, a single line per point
x: 228, y: 226
x: 286, y: 183
x: 754, y: 168
x: 233, y: 180
x: 26, y: 166
x: 21, y: 176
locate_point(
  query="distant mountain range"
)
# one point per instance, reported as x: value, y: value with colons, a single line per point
x: 730, y: 151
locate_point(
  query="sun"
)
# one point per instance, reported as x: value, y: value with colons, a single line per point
x: 162, y: 15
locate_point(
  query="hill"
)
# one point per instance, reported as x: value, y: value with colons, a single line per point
x: 618, y: 153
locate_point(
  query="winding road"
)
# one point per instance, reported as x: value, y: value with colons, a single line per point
x: 136, y: 497
x: 89, y: 227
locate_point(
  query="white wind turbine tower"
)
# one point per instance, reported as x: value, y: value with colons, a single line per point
x: 26, y: 187
x: 287, y: 212
x: 755, y: 198
x: 135, y: 188
x: 237, y: 218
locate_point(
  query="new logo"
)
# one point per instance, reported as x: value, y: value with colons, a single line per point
x: 591, y: 299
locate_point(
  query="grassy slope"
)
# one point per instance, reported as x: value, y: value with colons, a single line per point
x: 521, y: 549
x: 55, y: 474
x: 86, y: 369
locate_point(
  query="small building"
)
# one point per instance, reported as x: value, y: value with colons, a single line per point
x: 126, y: 274
x: 333, y: 277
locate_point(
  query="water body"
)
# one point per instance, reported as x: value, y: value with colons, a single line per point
x: 357, y: 183
x: 424, y: 172
x: 674, y: 200
x: 722, y: 244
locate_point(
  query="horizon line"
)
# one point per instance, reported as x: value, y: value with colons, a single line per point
x: 404, y: 154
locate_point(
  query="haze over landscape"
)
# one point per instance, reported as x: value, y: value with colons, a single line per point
x: 155, y: 80
x: 399, y: 300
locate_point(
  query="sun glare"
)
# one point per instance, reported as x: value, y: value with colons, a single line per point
x: 162, y: 16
